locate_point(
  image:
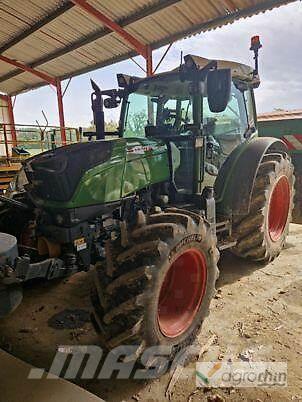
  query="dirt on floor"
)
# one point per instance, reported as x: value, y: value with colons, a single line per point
x: 256, y: 316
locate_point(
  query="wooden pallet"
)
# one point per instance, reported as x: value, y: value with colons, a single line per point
x: 7, y: 174
x: 12, y: 167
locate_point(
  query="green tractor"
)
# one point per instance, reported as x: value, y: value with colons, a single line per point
x: 152, y: 205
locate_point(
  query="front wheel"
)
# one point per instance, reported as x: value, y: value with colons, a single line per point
x: 156, y: 290
x: 262, y: 233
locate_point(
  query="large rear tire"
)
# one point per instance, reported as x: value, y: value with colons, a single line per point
x: 156, y: 290
x: 262, y: 233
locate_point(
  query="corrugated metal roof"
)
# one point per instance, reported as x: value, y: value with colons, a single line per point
x: 281, y: 115
x: 75, y: 42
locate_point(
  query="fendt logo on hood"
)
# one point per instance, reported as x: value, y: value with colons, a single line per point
x: 141, y: 149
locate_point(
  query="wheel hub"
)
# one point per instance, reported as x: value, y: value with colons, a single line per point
x: 182, y: 292
x: 278, y: 208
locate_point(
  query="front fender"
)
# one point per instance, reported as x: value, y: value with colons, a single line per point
x: 235, y: 181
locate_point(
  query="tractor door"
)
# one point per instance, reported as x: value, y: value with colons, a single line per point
x: 175, y: 116
x: 226, y: 130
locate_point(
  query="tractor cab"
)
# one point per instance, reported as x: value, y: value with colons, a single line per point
x: 201, y: 111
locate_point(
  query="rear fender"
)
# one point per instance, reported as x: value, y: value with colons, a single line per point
x: 235, y: 181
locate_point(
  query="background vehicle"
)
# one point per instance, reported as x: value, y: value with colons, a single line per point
x: 287, y: 126
x: 185, y: 177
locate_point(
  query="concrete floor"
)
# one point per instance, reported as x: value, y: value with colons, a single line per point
x: 257, y: 309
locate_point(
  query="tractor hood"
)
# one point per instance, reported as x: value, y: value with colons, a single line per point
x: 54, y: 175
x: 96, y: 172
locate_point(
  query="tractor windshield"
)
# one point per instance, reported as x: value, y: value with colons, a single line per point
x: 136, y: 115
x: 144, y: 110
x: 172, y: 111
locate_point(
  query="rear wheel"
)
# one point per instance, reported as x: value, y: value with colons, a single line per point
x: 156, y: 290
x: 262, y: 233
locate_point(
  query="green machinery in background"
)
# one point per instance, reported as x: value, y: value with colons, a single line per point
x: 287, y: 126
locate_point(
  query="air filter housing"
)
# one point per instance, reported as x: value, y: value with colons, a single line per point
x: 10, y: 296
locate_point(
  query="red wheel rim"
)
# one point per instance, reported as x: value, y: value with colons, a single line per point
x: 278, y: 208
x: 182, y: 292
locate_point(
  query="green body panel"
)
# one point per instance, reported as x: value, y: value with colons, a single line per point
x: 135, y: 163
x: 146, y: 163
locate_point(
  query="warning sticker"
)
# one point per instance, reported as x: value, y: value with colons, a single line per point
x: 80, y: 244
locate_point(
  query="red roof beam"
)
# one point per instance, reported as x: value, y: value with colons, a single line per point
x: 28, y: 69
x: 141, y: 48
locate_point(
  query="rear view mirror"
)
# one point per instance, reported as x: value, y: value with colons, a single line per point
x: 219, y: 89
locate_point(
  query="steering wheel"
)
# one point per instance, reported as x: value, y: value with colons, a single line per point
x: 168, y: 114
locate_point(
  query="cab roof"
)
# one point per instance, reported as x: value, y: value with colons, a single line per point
x: 239, y: 70
x: 158, y: 82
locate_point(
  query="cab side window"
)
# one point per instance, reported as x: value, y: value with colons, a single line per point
x: 232, y: 121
